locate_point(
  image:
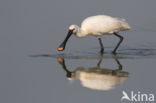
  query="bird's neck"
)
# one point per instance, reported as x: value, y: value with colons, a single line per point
x: 81, y: 33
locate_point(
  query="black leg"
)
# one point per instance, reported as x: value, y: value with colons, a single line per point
x: 121, y: 39
x: 119, y: 64
x: 101, y: 45
x: 100, y: 60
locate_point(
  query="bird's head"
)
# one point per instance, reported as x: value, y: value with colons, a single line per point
x: 73, y: 29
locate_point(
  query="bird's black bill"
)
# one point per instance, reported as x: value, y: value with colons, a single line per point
x: 63, y: 44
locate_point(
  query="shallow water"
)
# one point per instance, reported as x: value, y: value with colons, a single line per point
x: 129, y: 53
x: 33, y: 71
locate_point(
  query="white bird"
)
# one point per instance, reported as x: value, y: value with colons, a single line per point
x: 97, y: 26
x: 96, y: 77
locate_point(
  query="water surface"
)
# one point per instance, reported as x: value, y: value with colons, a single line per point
x: 33, y: 71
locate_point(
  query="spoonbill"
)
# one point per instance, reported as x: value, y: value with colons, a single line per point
x: 97, y: 26
x: 97, y: 78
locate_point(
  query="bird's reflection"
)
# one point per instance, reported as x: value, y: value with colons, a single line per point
x: 96, y: 77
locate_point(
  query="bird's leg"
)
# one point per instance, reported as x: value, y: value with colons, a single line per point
x: 121, y: 39
x: 117, y: 71
x: 101, y: 45
x: 100, y: 60
x: 119, y: 64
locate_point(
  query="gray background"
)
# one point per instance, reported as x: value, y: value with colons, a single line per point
x: 37, y: 27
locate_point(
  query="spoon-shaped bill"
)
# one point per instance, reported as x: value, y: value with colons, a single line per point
x: 63, y: 44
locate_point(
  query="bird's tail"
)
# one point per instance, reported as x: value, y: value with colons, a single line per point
x: 124, y: 24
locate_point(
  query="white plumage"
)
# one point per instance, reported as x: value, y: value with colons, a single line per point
x: 101, y: 25
x: 96, y: 77
x: 97, y: 26
x: 100, y: 81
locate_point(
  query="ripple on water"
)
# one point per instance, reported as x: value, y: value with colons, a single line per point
x: 127, y: 53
